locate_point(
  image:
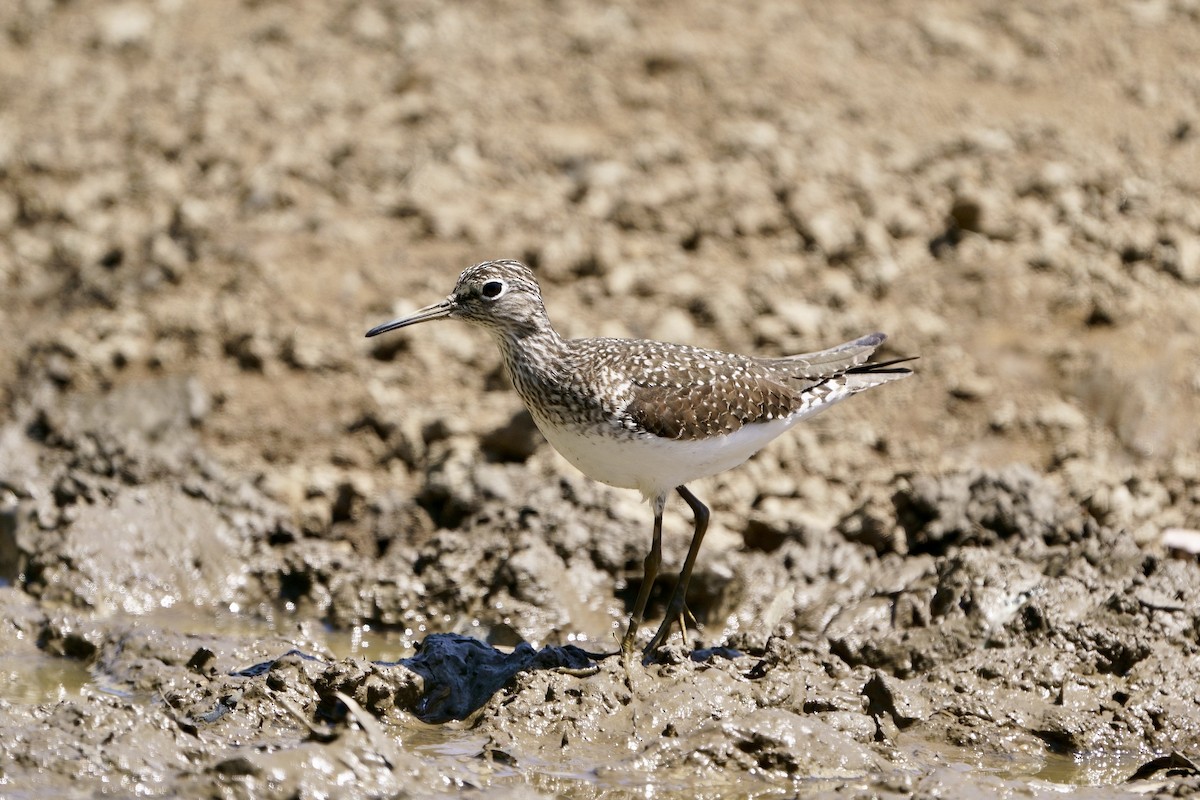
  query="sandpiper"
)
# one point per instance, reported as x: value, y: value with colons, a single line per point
x: 647, y: 415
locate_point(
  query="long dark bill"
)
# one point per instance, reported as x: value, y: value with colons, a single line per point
x: 435, y: 311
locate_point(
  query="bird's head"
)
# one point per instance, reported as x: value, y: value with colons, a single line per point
x: 500, y: 295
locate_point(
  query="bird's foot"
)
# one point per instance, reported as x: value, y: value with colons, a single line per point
x: 677, y: 613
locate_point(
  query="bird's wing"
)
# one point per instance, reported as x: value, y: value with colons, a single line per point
x: 699, y: 410
x: 680, y: 392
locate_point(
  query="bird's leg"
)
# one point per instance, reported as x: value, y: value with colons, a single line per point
x: 677, y: 604
x: 650, y: 572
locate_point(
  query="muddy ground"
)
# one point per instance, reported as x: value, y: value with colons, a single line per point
x: 221, y: 506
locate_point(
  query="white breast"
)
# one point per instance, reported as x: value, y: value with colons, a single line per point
x: 654, y: 465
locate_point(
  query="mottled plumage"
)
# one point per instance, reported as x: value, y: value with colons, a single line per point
x: 649, y: 415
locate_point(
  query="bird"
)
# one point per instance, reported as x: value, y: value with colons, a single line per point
x: 648, y: 415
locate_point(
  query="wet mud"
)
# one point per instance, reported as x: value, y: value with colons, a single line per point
x: 245, y: 552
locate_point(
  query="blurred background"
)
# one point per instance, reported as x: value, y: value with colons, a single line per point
x: 232, y: 192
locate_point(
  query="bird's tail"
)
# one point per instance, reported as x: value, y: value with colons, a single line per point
x: 849, y: 359
x: 866, y: 376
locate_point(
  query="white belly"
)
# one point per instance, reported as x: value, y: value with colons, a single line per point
x: 653, y: 465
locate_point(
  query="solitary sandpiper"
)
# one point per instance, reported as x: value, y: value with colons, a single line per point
x: 649, y: 415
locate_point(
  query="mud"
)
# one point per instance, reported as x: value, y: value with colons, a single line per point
x: 245, y: 552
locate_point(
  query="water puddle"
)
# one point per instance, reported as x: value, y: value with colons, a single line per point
x: 36, y: 677
x: 1076, y: 770
x: 33, y: 676
x: 1090, y: 769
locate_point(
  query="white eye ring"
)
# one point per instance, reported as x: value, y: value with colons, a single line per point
x: 493, y: 289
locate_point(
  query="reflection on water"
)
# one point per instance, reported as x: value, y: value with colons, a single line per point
x: 363, y: 641
x: 1095, y: 769
x: 36, y: 677
x: 1036, y: 767
x: 32, y: 676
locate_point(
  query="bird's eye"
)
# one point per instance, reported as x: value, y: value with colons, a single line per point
x: 492, y: 289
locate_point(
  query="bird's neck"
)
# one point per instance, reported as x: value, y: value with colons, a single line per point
x: 532, y: 354
x: 533, y: 341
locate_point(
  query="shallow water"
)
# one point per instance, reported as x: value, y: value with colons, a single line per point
x: 466, y: 757
x: 33, y: 678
